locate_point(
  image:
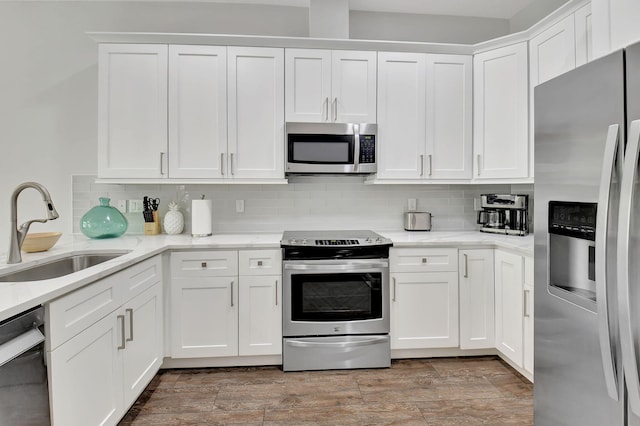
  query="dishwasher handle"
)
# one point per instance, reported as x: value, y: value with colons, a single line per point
x: 19, y: 345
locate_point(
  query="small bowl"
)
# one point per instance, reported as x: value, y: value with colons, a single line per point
x: 40, y: 241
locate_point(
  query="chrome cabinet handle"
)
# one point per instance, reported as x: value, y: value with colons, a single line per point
x: 394, y: 289
x: 421, y: 165
x: 222, y: 164
x: 479, y: 163
x: 424, y: 260
x: 335, y: 109
x: 525, y: 302
x: 602, y: 226
x: 231, y: 163
x: 276, y: 292
x: 326, y: 109
x: 627, y: 192
x: 259, y: 262
x: 122, y: 338
x: 130, y: 312
x: 232, y: 294
x: 162, y: 163
x: 203, y: 264
x: 466, y: 266
x: 430, y: 158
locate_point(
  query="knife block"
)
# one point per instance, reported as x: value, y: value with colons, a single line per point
x: 153, y: 228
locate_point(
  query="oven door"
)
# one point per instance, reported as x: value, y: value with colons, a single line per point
x: 336, y: 297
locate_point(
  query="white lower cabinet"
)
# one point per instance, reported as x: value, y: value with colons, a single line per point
x: 477, y: 319
x: 226, y: 303
x: 98, y: 373
x: 424, y: 305
x: 509, y: 305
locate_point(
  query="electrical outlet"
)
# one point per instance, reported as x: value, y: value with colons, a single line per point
x: 412, y: 204
x: 239, y: 206
x: 135, y: 206
x: 122, y: 206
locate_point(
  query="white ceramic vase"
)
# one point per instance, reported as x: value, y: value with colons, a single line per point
x: 173, y: 220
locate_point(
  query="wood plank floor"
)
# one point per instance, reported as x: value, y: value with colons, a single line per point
x: 438, y: 391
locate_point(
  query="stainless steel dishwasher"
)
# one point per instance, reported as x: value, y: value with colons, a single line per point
x: 24, y: 394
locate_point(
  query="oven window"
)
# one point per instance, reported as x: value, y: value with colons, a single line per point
x: 331, y: 297
x: 321, y: 149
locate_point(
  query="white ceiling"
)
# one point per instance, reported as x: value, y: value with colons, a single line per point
x: 504, y: 9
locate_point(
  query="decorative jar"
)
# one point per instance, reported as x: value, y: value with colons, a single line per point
x: 103, y: 221
x: 173, y: 220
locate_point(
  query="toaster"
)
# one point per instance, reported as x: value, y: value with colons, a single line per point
x: 417, y: 221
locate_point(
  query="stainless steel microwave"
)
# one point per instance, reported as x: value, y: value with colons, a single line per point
x: 331, y: 148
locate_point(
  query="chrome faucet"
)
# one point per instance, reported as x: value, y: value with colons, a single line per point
x: 18, y: 234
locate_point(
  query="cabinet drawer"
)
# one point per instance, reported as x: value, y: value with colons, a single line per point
x: 260, y: 262
x: 139, y: 277
x: 421, y: 260
x: 204, y: 264
x: 73, y: 313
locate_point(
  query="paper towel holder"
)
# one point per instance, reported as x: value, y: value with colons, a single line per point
x: 201, y: 215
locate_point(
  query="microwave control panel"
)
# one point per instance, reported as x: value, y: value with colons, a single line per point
x: 367, y: 149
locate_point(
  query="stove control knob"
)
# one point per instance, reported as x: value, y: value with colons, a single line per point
x: 378, y: 240
x: 292, y: 241
x: 368, y: 240
x: 304, y: 241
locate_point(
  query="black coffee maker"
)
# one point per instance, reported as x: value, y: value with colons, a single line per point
x: 504, y: 214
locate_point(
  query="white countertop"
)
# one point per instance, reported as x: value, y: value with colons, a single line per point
x: 16, y: 297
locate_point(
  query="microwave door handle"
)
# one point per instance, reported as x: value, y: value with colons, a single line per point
x: 602, y: 229
x: 356, y: 148
x: 627, y: 335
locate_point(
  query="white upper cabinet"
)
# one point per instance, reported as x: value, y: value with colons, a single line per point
x: 401, y: 115
x: 501, y: 143
x: 255, y: 112
x: 330, y: 86
x: 424, y: 116
x: 553, y: 51
x: 197, y: 111
x: 584, y: 35
x: 449, y: 117
x: 132, y: 111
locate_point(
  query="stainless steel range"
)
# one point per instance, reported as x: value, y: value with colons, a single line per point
x: 336, y: 300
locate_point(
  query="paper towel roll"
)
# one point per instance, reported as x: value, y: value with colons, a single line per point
x: 201, y: 215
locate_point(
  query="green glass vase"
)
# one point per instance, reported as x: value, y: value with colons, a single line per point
x: 103, y: 221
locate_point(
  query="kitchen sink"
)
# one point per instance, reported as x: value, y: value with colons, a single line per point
x: 60, y: 267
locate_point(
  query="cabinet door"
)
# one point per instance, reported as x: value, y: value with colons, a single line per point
x: 132, y: 111
x: 509, y: 307
x: 584, y: 39
x: 528, y: 314
x: 449, y: 117
x: 260, y: 315
x: 256, y: 112
x: 197, y: 111
x: 143, y: 352
x: 204, y: 317
x: 501, y: 143
x: 401, y: 117
x: 424, y: 310
x: 308, y: 85
x: 85, y: 376
x: 477, y: 318
x: 353, y: 86
x: 553, y: 51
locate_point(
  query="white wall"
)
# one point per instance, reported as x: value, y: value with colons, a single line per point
x: 426, y: 28
x: 533, y: 13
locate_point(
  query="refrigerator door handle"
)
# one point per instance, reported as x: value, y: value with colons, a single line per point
x: 602, y: 226
x: 629, y: 355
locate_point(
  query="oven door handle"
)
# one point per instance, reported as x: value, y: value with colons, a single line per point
x: 350, y: 266
x: 308, y: 344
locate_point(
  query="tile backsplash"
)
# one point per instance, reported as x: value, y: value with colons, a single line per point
x: 305, y: 203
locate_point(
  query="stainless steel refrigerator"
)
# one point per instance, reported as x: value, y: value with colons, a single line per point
x: 587, y: 244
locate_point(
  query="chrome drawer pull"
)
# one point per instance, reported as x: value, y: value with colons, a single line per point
x: 130, y: 312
